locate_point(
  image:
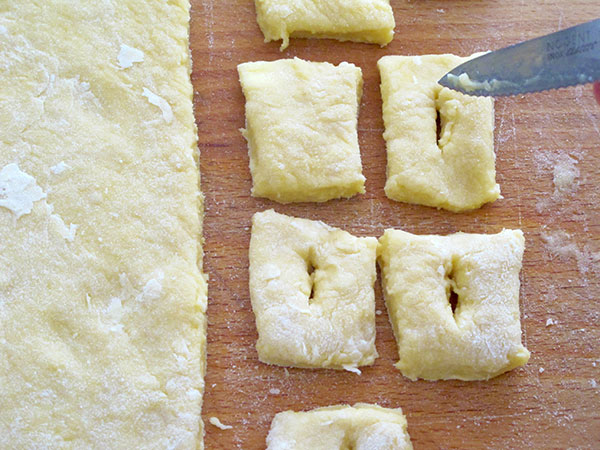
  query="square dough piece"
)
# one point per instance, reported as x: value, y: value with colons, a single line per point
x: 311, y: 288
x: 458, y: 171
x: 370, y: 21
x: 360, y: 427
x: 301, y: 120
x: 482, y: 339
x: 102, y: 302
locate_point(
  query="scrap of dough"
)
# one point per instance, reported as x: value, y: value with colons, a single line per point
x: 458, y: 171
x: 482, y: 339
x: 335, y: 328
x: 83, y: 363
x: 217, y: 423
x: 464, y: 82
x: 360, y: 427
x: 301, y: 128
x: 370, y: 21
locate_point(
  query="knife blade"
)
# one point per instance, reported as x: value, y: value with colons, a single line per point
x: 565, y: 58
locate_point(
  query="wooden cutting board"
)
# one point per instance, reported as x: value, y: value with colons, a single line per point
x: 552, y: 402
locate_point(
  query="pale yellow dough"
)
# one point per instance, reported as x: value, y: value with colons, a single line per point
x: 301, y: 120
x: 482, y: 339
x: 458, y: 171
x: 370, y: 21
x: 341, y: 427
x: 102, y: 303
x: 336, y: 327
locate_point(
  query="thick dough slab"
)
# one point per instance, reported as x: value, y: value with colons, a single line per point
x: 360, y: 427
x: 482, y: 339
x: 370, y: 21
x: 301, y: 120
x: 102, y: 303
x: 311, y: 288
x: 458, y: 171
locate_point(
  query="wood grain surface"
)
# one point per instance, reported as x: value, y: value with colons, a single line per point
x: 554, y: 401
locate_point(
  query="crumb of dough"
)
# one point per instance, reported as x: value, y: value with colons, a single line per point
x: 217, y: 423
x: 464, y: 82
x: 550, y: 322
x: 352, y: 369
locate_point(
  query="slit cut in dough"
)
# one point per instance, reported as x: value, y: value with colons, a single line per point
x: 482, y: 338
x: 301, y: 128
x: 359, y: 427
x: 102, y: 302
x: 370, y: 21
x: 455, y: 172
x: 311, y: 288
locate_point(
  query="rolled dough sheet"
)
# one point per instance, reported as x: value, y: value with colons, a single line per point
x: 102, y: 302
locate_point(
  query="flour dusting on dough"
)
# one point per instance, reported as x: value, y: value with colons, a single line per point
x: 59, y: 168
x: 115, y: 313
x: 164, y: 106
x: 129, y: 55
x: 152, y: 289
x: 217, y: 423
x: 18, y: 190
x: 68, y: 233
x: 271, y: 272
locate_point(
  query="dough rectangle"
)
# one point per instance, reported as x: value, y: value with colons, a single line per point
x: 301, y: 128
x: 455, y: 172
x: 102, y: 301
x: 482, y: 337
x: 311, y: 288
x: 361, y: 427
x: 370, y: 21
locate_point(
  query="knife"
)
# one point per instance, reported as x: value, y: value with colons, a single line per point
x: 565, y: 58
